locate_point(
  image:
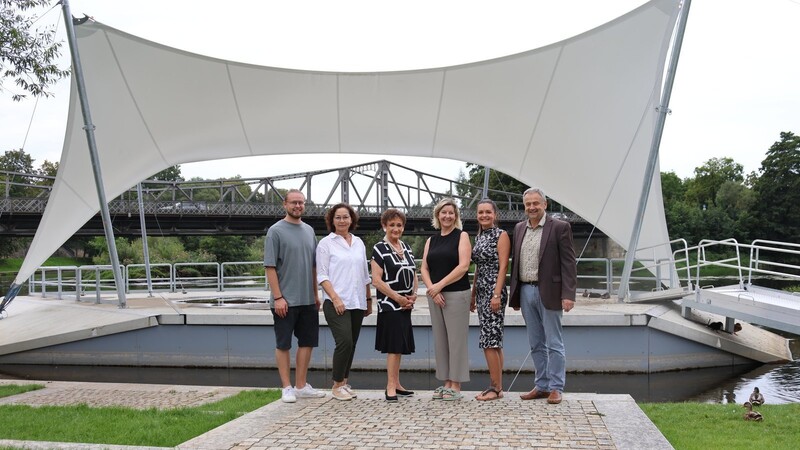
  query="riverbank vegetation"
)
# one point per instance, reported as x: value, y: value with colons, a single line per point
x: 702, y: 425
x: 126, y: 426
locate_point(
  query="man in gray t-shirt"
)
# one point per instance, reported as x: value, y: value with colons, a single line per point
x: 289, y: 258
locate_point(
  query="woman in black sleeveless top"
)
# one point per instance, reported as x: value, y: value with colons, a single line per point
x: 444, y: 272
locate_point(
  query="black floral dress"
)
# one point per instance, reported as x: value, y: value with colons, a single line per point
x: 487, y: 264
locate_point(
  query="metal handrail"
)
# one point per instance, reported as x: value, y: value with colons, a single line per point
x: 232, y: 280
x: 227, y: 279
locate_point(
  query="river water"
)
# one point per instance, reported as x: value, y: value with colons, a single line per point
x: 778, y: 383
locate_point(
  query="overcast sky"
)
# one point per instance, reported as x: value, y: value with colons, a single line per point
x: 736, y: 87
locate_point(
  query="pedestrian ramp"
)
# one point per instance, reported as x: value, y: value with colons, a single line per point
x: 659, y: 295
x: 779, y: 310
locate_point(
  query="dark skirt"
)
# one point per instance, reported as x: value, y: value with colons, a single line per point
x: 394, y: 333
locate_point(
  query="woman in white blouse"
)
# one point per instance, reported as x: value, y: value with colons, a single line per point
x: 342, y: 273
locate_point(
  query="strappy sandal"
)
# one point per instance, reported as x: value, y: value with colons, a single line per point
x: 450, y: 395
x: 438, y: 393
x: 482, y: 396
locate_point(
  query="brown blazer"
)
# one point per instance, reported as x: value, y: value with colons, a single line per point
x: 558, y: 272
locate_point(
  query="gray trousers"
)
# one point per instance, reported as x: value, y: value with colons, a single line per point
x: 450, y: 327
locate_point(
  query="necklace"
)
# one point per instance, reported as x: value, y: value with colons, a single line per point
x: 400, y: 254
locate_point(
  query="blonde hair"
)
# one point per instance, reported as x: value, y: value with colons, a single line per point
x: 438, y: 208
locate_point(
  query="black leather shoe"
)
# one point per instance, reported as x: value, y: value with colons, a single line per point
x: 390, y: 399
x: 403, y: 393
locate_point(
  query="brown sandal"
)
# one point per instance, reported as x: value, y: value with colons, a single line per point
x: 497, y: 395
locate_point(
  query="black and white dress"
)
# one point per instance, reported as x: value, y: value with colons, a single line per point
x: 394, y: 333
x: 487, y: 263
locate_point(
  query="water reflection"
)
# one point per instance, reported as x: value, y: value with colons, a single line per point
x: 778, y: 383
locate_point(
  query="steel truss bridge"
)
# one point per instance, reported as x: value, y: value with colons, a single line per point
x: 248, y: 206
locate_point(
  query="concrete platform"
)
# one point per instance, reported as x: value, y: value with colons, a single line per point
x: 369, y: 422
x: 601, y: 335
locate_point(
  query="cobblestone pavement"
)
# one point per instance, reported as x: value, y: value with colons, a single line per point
x: 588, y: 421
x: 139, y: 396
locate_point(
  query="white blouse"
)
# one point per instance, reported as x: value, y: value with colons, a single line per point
x: 345, y: 266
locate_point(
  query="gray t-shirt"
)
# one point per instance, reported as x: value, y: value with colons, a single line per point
x: 290, y: 248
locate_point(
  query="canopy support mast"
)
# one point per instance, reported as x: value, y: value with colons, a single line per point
x: 663, y: 110
x: 89, y: 127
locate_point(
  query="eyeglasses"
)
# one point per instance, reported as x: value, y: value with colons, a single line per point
x: 297, y: 202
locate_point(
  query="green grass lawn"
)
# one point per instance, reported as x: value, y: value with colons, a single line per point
x: 125, y: 426
x: 14, y: 389
x: 704, y: 426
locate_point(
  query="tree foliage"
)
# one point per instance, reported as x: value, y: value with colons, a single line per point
x: 20, y: 162
x: 777, y: 190
x: 708, y: 178
x: 720, y: 203
x: 27, y: 54
x: 169, y: 174
x: 498, y: 181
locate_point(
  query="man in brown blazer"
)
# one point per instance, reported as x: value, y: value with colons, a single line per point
x: 543, y: 282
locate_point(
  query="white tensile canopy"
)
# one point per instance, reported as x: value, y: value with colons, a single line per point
x: 575, y: 118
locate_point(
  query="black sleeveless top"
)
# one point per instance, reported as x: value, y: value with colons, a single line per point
x: 443, y: 258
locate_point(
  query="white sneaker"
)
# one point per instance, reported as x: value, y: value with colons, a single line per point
x: 350, y: 390
x: 341, y: 393
x: 288, y: 395
x: 308, y: 392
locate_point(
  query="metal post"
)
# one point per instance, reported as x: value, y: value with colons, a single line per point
x: 89, y: 127
x: 145, y: 247
x: 663, y: 110
x: 486, y: 172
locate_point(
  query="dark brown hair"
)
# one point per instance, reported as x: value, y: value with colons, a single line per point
x: 332, y: 212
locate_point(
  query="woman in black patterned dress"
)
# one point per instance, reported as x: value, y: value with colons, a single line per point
x: 394, y: 276
x: 490, y: 255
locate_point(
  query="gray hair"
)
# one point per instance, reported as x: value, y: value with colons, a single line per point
x: 534, y: 190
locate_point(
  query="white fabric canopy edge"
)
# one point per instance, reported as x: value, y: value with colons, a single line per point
x: 520, y: 107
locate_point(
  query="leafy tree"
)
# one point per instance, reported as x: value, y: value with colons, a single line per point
x: 168, y: 249
x: 8, y: 246
x: 777, y: 191
x: 48, y: 168
x: 672, y: 188
x: 169, y: 174
x: 16, y: 161
x: 497, y: 181
x: 225, y: 248
x: 27, y: 54
x: 702, y: 190
x: 734, y: 198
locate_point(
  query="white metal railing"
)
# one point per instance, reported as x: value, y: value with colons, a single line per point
x: 185, y: 279
x: 759, y: 252
x: 249, y: 275
x: 136, y: 277
x: 233, y: 279
x: 606, y: 277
